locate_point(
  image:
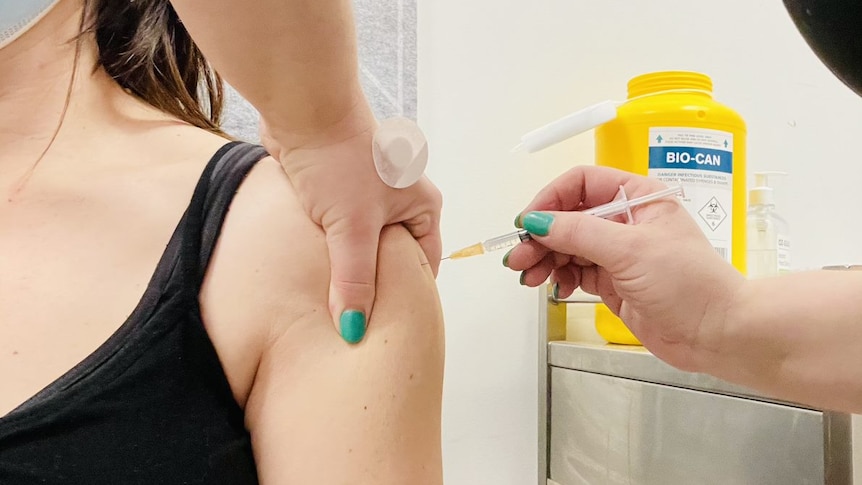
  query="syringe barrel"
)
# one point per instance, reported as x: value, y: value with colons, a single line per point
x: 506, y: 240
x: 610, y: 209
x: 619, y: 207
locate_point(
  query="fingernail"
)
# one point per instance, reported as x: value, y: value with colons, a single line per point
x: 556, y: 291
x: 352, y: 326
x: 506, y: 258
x: 538, y: 223
x: 523, y: 278
x: 518, y: 221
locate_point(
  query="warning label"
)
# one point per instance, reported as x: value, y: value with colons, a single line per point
x: 702, y: 162
x: 713, y: 214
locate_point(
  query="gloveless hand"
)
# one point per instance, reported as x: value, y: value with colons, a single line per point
x: 660, y: 275
x: 337, y: 184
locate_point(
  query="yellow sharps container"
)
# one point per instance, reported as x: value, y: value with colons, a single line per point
x: 670, y: 128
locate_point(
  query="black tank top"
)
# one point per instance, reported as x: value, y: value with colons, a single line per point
x: 152, y: 405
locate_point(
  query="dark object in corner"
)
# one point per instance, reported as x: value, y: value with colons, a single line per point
x: 833, y: 30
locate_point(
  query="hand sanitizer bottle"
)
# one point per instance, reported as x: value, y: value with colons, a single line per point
x: 768, y: 233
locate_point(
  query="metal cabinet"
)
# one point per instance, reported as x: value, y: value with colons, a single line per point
x: 618, y: 415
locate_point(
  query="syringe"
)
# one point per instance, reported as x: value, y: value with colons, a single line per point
x: 622, y: 205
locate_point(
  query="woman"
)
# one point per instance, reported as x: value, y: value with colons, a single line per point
x: 148, y: 336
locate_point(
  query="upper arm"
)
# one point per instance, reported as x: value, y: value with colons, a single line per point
x: 323, y: 411
x: 295, y: 61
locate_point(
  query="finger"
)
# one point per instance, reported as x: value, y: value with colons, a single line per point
x: 353, y: 256
x: 420, y: 212
x: 539, y: 273
x: 589, y: 280
x: 590, y: 186
x: 525, y: 255
x: 432, y: 247
x: 581, y: 261
x: 605, y: 243
x: 566, y: 280
x: 596, y: 281
x: 425, y: 228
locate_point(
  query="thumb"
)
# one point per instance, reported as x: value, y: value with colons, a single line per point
x: 599, y: 240
x: 353, y: 258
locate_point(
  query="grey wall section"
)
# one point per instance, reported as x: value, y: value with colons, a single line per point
x: 387, y: 54
x: 386, y: 30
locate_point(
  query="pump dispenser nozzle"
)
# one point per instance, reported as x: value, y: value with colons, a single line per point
x: 768, y: 233
x: 762, y: 192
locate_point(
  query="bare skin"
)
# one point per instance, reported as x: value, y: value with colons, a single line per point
x: 305, y: 83
x: 796, y: 337
x: 79, y: 243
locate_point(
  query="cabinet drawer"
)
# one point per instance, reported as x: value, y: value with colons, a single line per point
x: 611, y: 430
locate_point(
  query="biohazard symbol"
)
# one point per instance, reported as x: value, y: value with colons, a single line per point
x: 713, y: 214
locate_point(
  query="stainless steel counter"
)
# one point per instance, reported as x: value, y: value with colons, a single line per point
x: 635, y: 362
x: 619, y: 415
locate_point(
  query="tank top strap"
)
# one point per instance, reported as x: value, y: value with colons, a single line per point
x: 203, y: 220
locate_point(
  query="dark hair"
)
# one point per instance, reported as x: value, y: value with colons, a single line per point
x: 145, y: 48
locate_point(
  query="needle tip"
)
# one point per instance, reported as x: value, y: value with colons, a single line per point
x: 517, y: 148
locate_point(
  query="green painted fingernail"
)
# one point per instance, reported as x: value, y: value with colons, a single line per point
x: 556, y: 291
x: 518, y: 221
x: 538, y: 223
x: 523, y: 278
x: 506, y: 258
x: 352, y: 326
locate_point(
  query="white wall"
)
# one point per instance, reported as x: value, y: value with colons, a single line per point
x: 490, y: 70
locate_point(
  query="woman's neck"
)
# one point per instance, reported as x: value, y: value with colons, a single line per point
x: 35, y: 75
x: 37, y: 93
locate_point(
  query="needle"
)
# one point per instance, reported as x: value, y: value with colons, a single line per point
x: 621, y: 205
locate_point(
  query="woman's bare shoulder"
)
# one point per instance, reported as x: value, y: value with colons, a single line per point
x: 269, y: 267
x: 265, y: 306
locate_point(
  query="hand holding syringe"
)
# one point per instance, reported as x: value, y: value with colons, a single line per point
x: 622, y: 205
